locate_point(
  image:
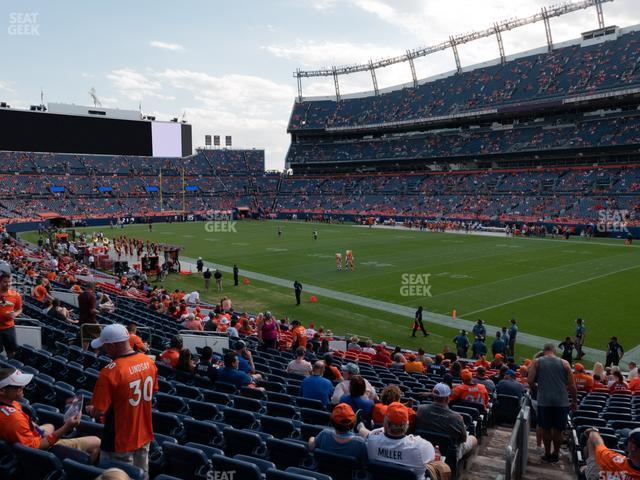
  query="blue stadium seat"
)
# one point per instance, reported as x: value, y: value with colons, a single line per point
x: 249, y: 404
x: 188, y: 392
x: 219, y: 398
x: 185, y: 462
x: 274, y: 474
x: 240, y: 419
x: 224, y: 387
x: 282, y: 410
x: 315, y: 417
x: 278, y: 427
x: 135, y: 473
x: 506, y: 409
x: 308, y: 473
x: 242, y: 442
x: 34, y: 463
x: 244, y: 470
x: 385, y: 471
x: 171, y: 403
x: 80, y: 471
x: 286, y: 453
x: 261, y: 463
x: 203, y: 410
x: 338, y: 467
x: 167, y: 424
x: 309, y: 403
x: 307, y: 430
x: 202, y: 432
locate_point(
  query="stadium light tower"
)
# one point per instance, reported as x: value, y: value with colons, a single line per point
x: 454, y: 41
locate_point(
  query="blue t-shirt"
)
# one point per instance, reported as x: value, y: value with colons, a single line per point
x: 316, y: 387
x: 234, y: 377
x: 356, y: 447
x: 513, y: 331
x: 358, y: 403
x: 243, y: 364
x: 510, y: 387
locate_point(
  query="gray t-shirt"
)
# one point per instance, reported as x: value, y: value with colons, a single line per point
x: 439, y: 419
x: 551, y: 378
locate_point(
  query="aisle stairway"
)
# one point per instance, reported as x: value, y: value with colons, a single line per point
x: 489, y: 463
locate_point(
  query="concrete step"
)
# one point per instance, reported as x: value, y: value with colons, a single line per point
x: 489, y: 462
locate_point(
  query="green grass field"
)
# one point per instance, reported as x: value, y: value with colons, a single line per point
x: 543, y: 283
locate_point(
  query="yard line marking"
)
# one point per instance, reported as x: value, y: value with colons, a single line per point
x: 506, y: 279
x: 402, y: 310
x: 544, y: 292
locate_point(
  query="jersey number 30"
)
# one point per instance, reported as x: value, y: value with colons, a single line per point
x: 145, y: 394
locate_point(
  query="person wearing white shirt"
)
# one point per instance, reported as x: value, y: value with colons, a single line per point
x: 369, y: 348
x: 193, y: 298
x: 391, y: 444
x: 343, y: 387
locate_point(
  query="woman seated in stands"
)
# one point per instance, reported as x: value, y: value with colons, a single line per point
x: 618, y: 384
x: 245, y: 328
x: 60, y: 312
x: 390, y: 394
x: 397, y: 363
x: 398, y: 351
x: 185, y: 362
x: 104, y: 303
x: 356, y: 398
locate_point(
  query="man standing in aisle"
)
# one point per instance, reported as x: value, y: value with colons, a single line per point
x: 123, y: 395
x: 10, y: 309
x: 553, y: 380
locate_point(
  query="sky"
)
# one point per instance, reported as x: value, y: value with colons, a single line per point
x: 227, y: 66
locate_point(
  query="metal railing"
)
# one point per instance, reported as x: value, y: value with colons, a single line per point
x: 518, y: 447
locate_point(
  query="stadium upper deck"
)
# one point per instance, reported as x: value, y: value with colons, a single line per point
x: 608, y: 64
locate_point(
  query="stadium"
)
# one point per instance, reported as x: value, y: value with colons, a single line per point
x: 439, y: 282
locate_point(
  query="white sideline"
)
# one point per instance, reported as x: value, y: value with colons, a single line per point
x: 388, y: 307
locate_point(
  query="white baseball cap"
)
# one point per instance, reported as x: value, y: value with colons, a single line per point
x: 114, y: 333
x: 16, y: 379
x: 442, y: 390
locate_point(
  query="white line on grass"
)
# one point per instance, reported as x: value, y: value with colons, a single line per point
x: 402, y: 310
x: 544, y: 292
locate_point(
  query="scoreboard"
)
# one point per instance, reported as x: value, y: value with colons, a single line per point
x: 92, y: 130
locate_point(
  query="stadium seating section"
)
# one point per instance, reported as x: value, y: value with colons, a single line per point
x: 572, y: 70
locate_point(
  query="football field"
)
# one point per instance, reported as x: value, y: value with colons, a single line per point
x: 544, y: 283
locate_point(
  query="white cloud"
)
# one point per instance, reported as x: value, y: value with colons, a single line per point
x: 174, y: 47
x: 4, y: 86
x: 254, y: 110
x: 309, y: 53
x: 323, y: 5
x: 135, y: 86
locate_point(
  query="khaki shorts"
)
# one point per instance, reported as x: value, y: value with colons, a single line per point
x: 138, y: 458
x: 80, y: 443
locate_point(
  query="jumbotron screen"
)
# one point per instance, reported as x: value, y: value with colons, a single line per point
x: 48, y: 132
